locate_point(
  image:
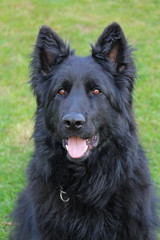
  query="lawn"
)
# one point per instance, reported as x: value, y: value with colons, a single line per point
x: 79, y: 22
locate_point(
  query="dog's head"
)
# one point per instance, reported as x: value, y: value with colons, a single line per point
x: 84, y: 98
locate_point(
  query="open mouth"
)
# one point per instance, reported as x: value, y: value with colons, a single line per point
x: 79, y: 148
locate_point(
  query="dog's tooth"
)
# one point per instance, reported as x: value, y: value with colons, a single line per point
x: 86, y: 148
x: 67, y: 147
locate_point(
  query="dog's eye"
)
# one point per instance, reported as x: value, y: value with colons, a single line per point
x: 96, y: 91
x: 62, y: 91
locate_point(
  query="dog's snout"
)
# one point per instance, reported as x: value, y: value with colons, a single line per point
x: 73, y: 121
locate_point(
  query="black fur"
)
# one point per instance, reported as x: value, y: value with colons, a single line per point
x: 110, y: 191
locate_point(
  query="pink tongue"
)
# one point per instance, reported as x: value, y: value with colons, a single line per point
x: 76, y: 147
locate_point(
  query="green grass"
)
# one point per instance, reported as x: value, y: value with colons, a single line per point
x: 80, y: 22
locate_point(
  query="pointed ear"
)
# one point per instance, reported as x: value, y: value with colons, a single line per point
x: 112, y: 47
x: 49, y: 50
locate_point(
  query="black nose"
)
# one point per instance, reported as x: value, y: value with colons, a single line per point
x: 73, y: 121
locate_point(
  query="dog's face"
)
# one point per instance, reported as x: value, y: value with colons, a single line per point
x: 77, y: 104
x: 82, y: 96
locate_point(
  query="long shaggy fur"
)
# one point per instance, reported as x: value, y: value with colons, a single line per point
x: 110, y: 192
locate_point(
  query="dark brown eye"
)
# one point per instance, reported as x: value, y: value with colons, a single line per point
x: 61, y: 92
x: 96, y: 91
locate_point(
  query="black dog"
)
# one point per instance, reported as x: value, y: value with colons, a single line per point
x: 88, y: 179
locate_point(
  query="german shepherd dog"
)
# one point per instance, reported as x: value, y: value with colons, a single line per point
x: 88, y: 178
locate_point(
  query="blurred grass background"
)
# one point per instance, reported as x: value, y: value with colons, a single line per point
x: 79, y: 22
